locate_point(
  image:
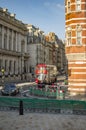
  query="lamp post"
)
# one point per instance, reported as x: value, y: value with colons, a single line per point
x: 2, y: 70
x: 21, y: 66
x: 37, y: 54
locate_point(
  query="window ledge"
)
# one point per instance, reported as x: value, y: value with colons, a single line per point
x: 78, y: 11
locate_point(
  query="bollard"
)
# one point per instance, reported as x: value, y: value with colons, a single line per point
x: 21, y: 107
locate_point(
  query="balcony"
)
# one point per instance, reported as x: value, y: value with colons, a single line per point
x: 13, y: 53
x: 9, y: 52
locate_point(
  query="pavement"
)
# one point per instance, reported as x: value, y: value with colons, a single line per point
x: 21, y: 84
x: 41, y: 121
x: 11, y: 120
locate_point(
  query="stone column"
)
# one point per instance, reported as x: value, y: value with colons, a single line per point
x: 2, y: 36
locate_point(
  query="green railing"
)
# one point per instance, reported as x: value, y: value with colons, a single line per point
x: 48, y: 93
x: 38, y: 92
x: 42, y: 103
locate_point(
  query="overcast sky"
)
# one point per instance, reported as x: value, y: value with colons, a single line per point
x: 48, y: 15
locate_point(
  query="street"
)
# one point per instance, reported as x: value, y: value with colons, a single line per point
x: 24, y: 87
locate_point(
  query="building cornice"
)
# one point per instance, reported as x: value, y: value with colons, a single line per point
x: 6, y: 17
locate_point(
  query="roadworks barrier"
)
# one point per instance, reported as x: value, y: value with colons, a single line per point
x: 43, y: 105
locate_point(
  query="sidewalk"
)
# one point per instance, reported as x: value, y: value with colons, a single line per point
x: 21, y: 84
x: 25, y: 84
x: 41, y: 121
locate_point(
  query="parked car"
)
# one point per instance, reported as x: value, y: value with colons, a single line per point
x: 10, y: 89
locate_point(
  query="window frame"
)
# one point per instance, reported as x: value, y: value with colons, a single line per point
x: 68, y: 35
x: 78, y: 3
x: 78, y: 30
x: 78, y: 38
x: 69, y: 38
x: 68, y: 7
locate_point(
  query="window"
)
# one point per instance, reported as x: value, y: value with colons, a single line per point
x: 78, y: 34
x: 22, y: 46
x: 78, y: 37
x: 10, y: 66
x: 14, y: 66
x: 5, y: 41
x: 0, y: 64
x: 78, y: 5
x: 10, y: 39
x: 14, y: 41
x: 69, y: 38
x: 10, y: 43
x: 68, y: 9
x: 0, y: 28
x: 6, y: 65
x: 14, y: 44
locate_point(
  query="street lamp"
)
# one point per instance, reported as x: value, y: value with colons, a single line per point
x: 21, y: 66
x: 37, y: 54
x: 2, y: 70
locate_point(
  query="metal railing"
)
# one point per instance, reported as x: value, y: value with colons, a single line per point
x: 44, y: 105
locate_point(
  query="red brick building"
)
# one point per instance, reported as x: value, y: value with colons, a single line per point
x: 75, y: 32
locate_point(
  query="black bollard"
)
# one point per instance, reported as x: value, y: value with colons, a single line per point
x: 21, y: 107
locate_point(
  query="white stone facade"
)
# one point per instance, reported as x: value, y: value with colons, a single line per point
x: 22, y: 47
x: 13, y: 47
x: 40, y: 50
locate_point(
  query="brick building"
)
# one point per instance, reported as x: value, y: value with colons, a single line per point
x: 75, y: 24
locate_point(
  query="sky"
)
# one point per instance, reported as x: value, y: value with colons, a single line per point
x: 48, y: 15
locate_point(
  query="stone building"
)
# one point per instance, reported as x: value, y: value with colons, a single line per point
x: 47, y: 49
x: 51, y: 39
x: 40, y: 50
x: 13, y: 47
x: 61, y: 57
x: 58, y: 51
x: 75, y: 19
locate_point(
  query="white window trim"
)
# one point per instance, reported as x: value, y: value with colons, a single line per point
x: 68, y: 30
x: 78, y: 28
x: 77, y: 3
x: 68, y: 44
x: 68, y: 8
